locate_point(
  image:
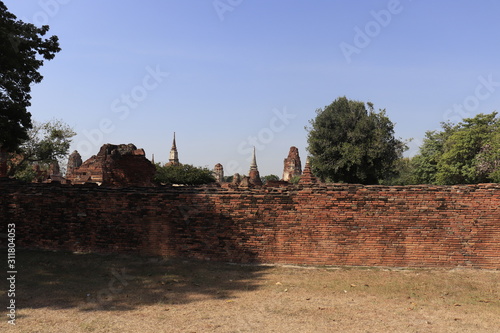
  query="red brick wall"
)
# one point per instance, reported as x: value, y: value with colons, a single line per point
x: 414, y: 226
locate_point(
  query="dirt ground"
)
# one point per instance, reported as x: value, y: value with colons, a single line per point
x: 65, y: 292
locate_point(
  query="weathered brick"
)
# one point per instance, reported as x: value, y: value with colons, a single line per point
x: 339, y: 224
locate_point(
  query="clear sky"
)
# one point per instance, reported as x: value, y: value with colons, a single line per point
x: 226, y: 75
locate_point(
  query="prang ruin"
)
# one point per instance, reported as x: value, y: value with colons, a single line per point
x: 292, y: 166
x: 126, y: 165
x: 115, y: 165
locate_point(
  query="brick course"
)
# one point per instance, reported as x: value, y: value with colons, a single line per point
x: 339, y: 224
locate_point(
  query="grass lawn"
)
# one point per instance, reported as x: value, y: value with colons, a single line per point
x: 66, y: 292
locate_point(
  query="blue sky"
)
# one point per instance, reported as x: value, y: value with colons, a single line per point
x: 229, y: 74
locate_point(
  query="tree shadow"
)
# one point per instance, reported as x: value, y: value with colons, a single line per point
x: 90, y: 282
x: 180, y: 223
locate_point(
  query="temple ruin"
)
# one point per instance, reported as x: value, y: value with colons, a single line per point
x: 253, y: 174
x: 125, y: 165
x: 292, y: 166
x: 114, y: 165
x: 219, y: 173
x: 174, y: 155
x: 307, y: 176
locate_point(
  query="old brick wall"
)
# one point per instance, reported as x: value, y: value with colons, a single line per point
x: 412, y: 226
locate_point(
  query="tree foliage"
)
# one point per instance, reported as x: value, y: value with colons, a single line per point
x: 267, y: 178
x: 425, y: 164
x: 23, y: 50
x: 295, y: 179
x: 184, y: 174
x: 488, y: 159
x: 47, y: 143
x: 465, y: 153
x: 404, y: 175
x: 350, y: 143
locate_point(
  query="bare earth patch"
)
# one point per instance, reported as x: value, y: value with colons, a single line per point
x: 65, y: 292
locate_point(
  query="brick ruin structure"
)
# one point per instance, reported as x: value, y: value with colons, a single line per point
x: 114, y: 165
x: 306, y: 223
x: 125, y: 165
x: 236, y: 180
x: 253, y: 174
x: 74, y: 162
x: 219, y: 173
x: 292, y: 165
x: 52, y: 174
x: 318, y: 224
x: 307, y: 177
x: 44, y: 172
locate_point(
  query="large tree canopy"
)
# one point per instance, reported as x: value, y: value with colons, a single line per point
x: 465, y: 153
x: 22, y: 52
x: 350, y: 143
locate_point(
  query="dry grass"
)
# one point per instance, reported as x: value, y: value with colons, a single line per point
x: 64, y: 292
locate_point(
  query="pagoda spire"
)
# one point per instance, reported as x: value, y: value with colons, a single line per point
x: 174, y: 155
x: 253, y: 174
x: 307, y: 175
x: 174, y: 146
x: 253, y: 164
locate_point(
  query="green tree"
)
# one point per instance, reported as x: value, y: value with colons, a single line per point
x: 425, y: 164
x: 352, y: 144
x: 185, y: 174
x: 47, y: 143
x: 405, y: 174
x: 458, y: 164
x: 465, y: 153
x: 488, y: 159
x: 22, y: 52
x: 295, y: 179
x: 267, y: 178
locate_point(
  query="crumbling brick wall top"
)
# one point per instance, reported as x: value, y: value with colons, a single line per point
x: 114, y: 165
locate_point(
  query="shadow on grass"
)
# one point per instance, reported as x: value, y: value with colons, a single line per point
x: 90, y: 282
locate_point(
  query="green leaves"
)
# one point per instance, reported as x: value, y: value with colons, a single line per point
x: 184, y: 174
x: 267, y: 178
x: 349, y: 143
x: 47, y: 143
x: 466, y: 153
x: 22, y: 53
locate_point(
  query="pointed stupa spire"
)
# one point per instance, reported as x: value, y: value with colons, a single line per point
x: 253, y: 165
x: 253, y: 174
x: 174, y: 146
x: 174, y: 155
x: 153, y: 159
